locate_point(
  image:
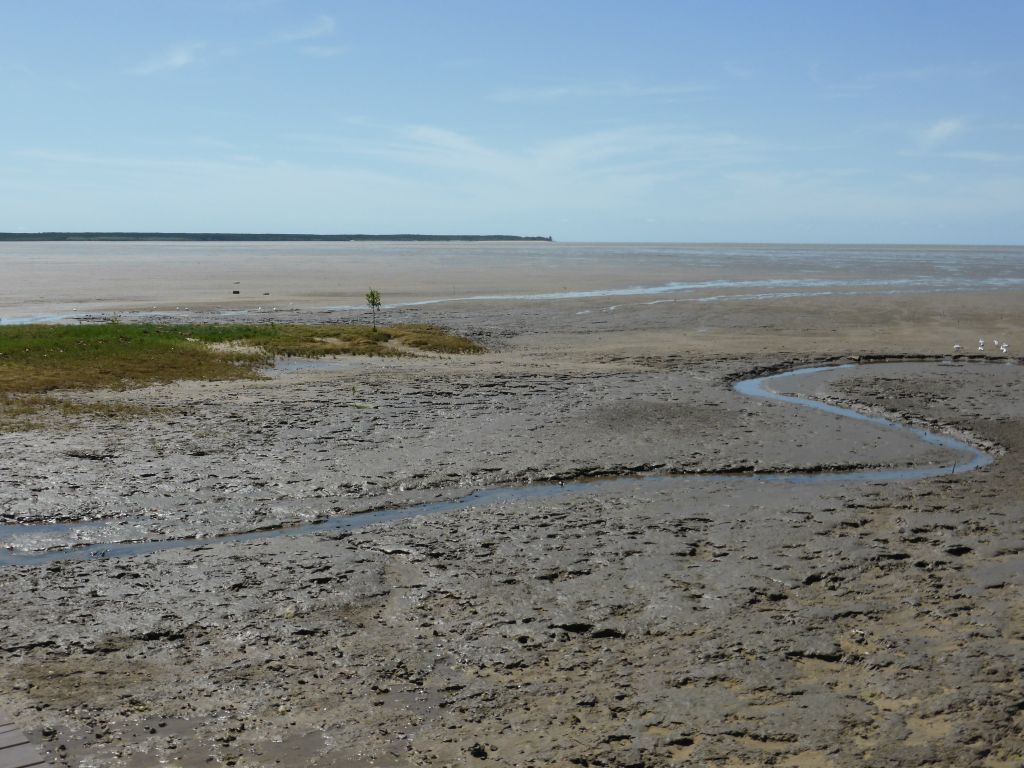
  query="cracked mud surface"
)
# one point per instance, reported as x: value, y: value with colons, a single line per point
x: 704, y: 622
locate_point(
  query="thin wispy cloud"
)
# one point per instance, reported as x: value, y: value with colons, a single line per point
x: 175, y: 58
x: 605, y: 91
x: 441, y: 148
x: 639, y: 149
x: 631, y: 154
x: 208, y: 142
x: 321, y: 26
x: 871, y: 81
x: 323, y: 51
x: 941, y: 131
x: 128, y: 161
x: 14, y: 69
x: 984, y: 156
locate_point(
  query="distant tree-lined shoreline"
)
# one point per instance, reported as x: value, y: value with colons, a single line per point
x: 236, y: 237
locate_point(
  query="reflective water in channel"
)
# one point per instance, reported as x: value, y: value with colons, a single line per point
x: 963, y: 458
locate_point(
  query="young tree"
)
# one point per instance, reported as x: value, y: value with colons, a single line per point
x: 373, y: 300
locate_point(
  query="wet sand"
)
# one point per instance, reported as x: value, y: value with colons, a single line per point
x: 708, y: 622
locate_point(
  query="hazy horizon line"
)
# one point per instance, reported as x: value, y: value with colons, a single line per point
x: 159, y: 235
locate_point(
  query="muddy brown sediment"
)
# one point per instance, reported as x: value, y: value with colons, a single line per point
x: 718, y: 621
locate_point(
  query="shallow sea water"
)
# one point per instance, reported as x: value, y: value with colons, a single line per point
x: 62, y: 281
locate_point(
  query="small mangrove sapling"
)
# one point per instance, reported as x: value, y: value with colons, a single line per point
x: 373, y: 300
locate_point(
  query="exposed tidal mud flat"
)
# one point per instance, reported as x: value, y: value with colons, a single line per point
x: 724, y: 622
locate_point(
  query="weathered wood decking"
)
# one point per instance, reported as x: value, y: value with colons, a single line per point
x: 15, y: 750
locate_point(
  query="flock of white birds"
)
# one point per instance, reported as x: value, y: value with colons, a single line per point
x: 1002, y: 346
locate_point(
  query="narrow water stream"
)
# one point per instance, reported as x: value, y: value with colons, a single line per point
x: 963, y: 458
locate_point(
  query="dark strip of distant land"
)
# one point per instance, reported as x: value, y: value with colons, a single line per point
x: 235, y: 237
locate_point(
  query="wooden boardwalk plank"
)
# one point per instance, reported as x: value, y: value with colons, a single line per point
x: 21, y: 756
x: 11, y: 739
x: 15, y: 749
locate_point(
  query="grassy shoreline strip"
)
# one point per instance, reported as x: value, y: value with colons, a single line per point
x: 41, y: 358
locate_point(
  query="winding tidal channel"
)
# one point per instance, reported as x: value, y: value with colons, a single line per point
x: 963, y: 458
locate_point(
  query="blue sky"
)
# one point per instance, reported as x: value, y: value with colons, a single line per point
x: 650, y: 121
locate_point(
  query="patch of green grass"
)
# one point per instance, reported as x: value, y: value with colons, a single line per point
x: 431, y: 339
x: 40, y: 358
x: 320, y: 340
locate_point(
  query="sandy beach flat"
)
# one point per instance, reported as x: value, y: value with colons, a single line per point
x: 661, y: 621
